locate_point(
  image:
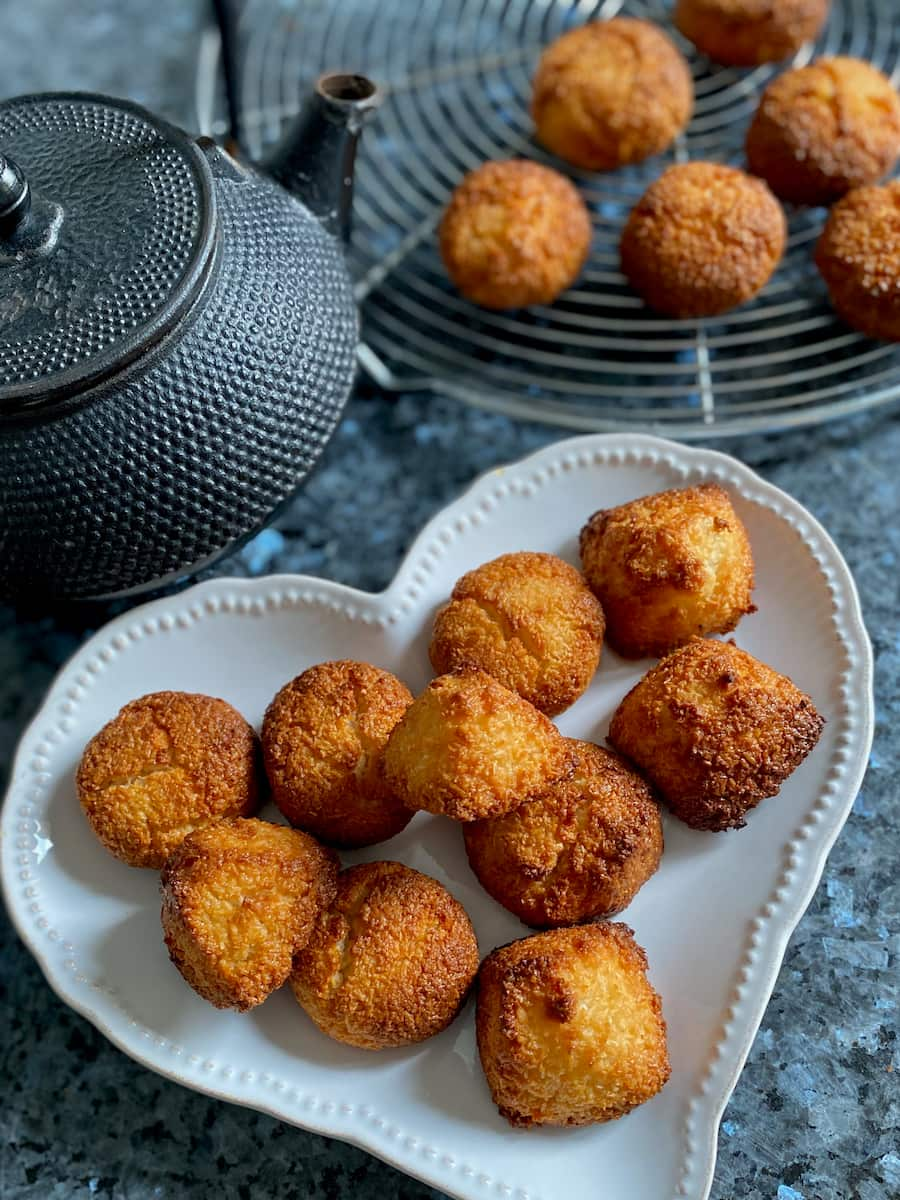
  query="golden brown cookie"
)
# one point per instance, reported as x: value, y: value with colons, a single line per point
x: 824, y: 129
x: 742, y: 33
x: 390, y: 962
x: 668, y: 567
x: 611, y: 93
x: 570, y: 1031
x: 323, y: 737
x: 168, y: 763
x: 702, y: 239
x: 716, y: 731
x: 240, y: 898
x: 581, y: 849
x: 468, y: 747
x: 514, y: 233
x: 858, y: 256
x: 531, y: 621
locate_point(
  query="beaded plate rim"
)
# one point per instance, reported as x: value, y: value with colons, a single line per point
x: 803, y: 857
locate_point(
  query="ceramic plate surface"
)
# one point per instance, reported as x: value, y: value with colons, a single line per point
x: 714, y: 920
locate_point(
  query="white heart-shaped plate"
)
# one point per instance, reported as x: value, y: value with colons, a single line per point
x: 714, y: 920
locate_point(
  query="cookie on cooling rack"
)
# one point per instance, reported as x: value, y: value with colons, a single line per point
x: 570, y: 1030
x: 715, y: 731
x: 515, y: 233
x: 528, y: 619
x: 468, y: 747
x: 323, y: 737
x: 580, y: 850
x: 390, y: 961
x: 824, y: 129
x: 168, y: 763
x: 703, y: 239
x: 668, y: 567
x: 858, y: 256
x: 742, y: 33
x: 240, y: 898
x: 611, y: 93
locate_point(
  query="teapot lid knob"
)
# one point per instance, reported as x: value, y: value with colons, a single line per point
x: 15, y: 196
x: 108, y: 230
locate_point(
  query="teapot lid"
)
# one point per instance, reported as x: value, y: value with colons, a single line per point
x: 107, y: 233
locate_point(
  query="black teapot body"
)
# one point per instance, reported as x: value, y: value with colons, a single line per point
x: 177, y: 336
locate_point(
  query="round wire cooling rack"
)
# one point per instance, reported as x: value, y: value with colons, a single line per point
x: 456, y: 76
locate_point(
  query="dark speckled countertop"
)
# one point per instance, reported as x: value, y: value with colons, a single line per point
x: 816, y: 1115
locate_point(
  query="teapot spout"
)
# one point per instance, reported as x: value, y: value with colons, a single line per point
x: 315, y: 160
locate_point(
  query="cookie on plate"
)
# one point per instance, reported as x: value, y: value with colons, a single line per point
x: 468, y: 747
x: 240, y: 898
x: 167, y: 764
x: 528, y: 619
x: 323, y: 738
x: 570, y: 1031
x: 390, y: 961
x: 580, y: 850
x: 716, y: 731
x: 668, y: 567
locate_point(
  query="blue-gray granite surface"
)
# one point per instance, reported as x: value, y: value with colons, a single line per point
x: 816, y: 1114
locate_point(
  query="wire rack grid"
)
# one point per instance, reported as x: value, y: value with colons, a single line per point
x: 457, y: 77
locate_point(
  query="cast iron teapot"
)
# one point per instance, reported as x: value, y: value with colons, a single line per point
x: 177, y: 334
